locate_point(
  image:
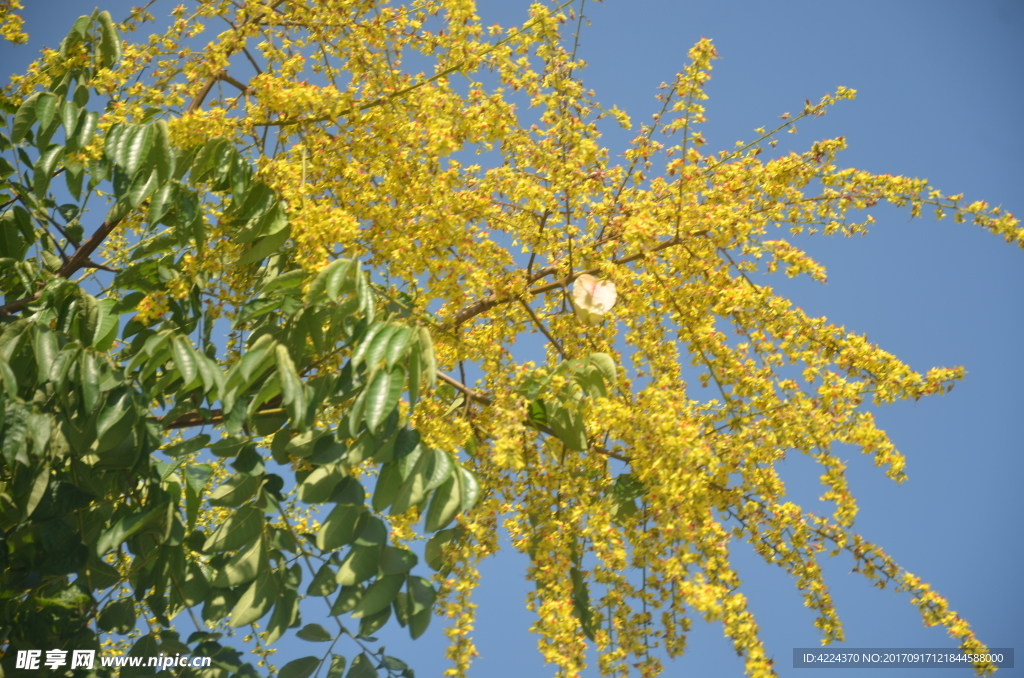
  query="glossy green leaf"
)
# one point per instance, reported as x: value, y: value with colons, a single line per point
x: 162, y: 202
x: 23, y: 119
x: 243, y: 566
x: 445, y: 504
x: 398, y: 346
x: 134, y: 151
x: 44, y: 169
x: 382, y: 396
x: 116, y: 419
x: 238, y: 530
x: 421, y: 594
x: 184, y: 358
x: 318, y: 288
x: 340, y: 527
x: 265, y: 247
x: 359, y: 355
x: 110, y: 41
x: 125, y: 528
x: 257, y: 599
x: 427, y: 358
x: 235, y: 491
x: 69, y: 117
x: 379, y: 345
x: 163, y: 151
x: 470, y: 488
x: 434, y: 551
x: 46, y: 107
x: 388, y: 482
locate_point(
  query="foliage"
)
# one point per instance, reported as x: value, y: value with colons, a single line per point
x: 286, y: 269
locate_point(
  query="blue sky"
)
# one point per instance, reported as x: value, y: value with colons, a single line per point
x: 937, y: 100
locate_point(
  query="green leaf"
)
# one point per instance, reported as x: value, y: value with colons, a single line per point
x: 163, y: 152
x: 314, y: 633
x: 379, y: 595
x: 427, y: 358
x: 235, y: 491
x: 184, y: 359
x: 362, y: 667
x: 340, y: 527
x: 286, y: 612
x: 382, y: 396
x: 316, y: 488
x: 414, y: 487
x: 134, y: 151
x: 44, y: 170
x: 299, y: 668
x: 379, y: 346
x: 125, y: 528
x: 605, y: 365
x: 243, y: 566
x: 470, y: 488
x: 337, y: 666
x: 318, y: 288
x: 265, y: 247
x: 418, y: 623
x: 118, y: 616
x: 323, y: 583
x: 293, y: 395
x: 388, y: 482
x: 257, y: 599
x: 161, y: 203
x: 187, y: 447
x: 46, y: 106
x: 240, y: 529
x: 143, y: 185
x: 440, y: 471
x: 69, y: 118
x: 110, y: 41
x: 397, y: 346
x: 414, y: 378
x: 347, y: 599
x: 421, y: 595
x: 116, y: 419
x: 366, y: 342
x: 359, y: 565
x: 444, y: 505
x: 394, y: 560
x: 371, y: 623
x: 24, y: 118
x: 434, y: 552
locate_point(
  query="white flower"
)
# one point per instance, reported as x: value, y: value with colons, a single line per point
x: 593, y: 298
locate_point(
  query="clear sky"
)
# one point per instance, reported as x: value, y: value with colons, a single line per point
x: 940, y: 97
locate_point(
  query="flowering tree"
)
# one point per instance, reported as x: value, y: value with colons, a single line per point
x: 245, y: 381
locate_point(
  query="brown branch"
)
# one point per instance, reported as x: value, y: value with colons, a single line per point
x: 487, y: 303
x: 201, y: 95
x: 472, y: 394
x: 540, y: 325
x: 78, y: 260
